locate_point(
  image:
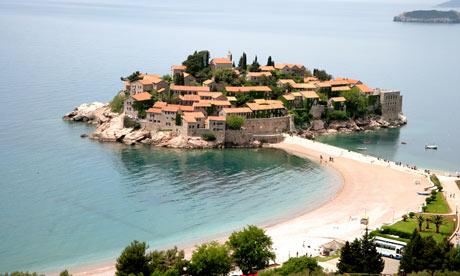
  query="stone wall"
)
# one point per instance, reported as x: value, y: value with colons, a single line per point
x: 268, y: 125
x: 199, y: 132
x: 238, y: 138
x: 271, y: 139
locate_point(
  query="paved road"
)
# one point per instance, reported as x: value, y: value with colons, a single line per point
x: 391, y: 266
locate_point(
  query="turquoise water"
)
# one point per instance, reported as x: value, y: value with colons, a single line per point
x: 68, y: 201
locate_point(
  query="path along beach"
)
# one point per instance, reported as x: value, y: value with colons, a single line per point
x: 379, y: 189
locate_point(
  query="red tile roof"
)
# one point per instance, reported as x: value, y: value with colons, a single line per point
x: 179, y: 67
x: 220, y: 61
x: 247, y: 89
x: 171, y: 108
x: 364, y: 88
x: 237, y: 110
x: 160, y: 104
x: 217, y: 118
x: 338, y: 99
x: 189, y: 88
x: 144, y: 96
x: 154, y: 110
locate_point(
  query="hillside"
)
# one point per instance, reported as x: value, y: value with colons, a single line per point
x: 450, y: 4
x: 429, y: 16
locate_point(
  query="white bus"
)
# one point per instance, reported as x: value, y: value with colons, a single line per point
x: 389, y: 248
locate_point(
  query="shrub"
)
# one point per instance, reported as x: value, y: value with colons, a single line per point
x: 338, y: 115
x: 404, y: 217
x: 428, y: 200
x: 235, y: 122
x: 433, y: 197
x: 391, y: 231
x: 411, y: 214
x: 116, y: 105
x: 209, y: 136
x: 433, y: 193
x: 130, y: 123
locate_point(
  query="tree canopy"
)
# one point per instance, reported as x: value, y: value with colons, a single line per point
x: 133, y: 260
x: 211, y: 259
x: 322, y: 75
x: 133, y: 77
x: 235, y: 122
x: 197, y: 62
x: 243, y: 63
x: 360, y: 256
x: 252, y: 249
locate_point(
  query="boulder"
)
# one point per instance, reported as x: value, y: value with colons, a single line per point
x: 317, y: 125
x: 135, y: 136
x: 84, y: 135
x: 111, y: 131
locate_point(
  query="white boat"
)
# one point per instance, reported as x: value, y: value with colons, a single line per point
x: 362, y: 148
x: 431, y: 146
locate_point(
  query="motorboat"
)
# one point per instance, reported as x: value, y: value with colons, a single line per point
x: 362, y: 148
x: 367, y: 142
x: 431, y: 146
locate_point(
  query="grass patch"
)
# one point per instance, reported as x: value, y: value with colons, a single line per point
x: 326, y: 258
x: 408, y: 226
x: 435, y: 180
x: 438, y: 206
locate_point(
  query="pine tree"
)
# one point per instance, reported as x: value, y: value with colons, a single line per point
x: 254, y: 66
x: 372, y: 262
x: 413, y: 255
x: 346, y: 262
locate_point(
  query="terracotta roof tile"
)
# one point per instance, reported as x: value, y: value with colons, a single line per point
x: 221, y: 61
x: 217, y: 118
x: 189, y: 88
x: 338, y: 99
x: 154, y: 110
x: 144, y: 96
x: 247, y: 89
x: 237, y: 110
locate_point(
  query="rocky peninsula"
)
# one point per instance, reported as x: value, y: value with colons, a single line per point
x: 429, y: 16
x: 110, y: 128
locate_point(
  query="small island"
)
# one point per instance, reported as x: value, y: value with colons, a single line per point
x: 215, y: 104
x: 429, y: 16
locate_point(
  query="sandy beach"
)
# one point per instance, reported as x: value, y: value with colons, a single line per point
x: 379, y: 189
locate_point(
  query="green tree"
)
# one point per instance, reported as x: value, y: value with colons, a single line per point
x: 360, y: 256
x: 254, y: 66
x: 211, y: 259
x: 133, y: 77
x: 372, y: 262
x: 252, y: 249
x: 197, y: 62
x: 166, y: 78
x: 242, y: 64
x: 235, y: 122
x: 65, y: 273
x: 178, y: 119
x: 133, y: 260
x: 226, y: 75
x: 168, y: 262
x: 298, y: 265
x: 438, y: 221
x: 420, y: 219
x: 178, y: 79
x: 117, y: 103
x: 209, y: 136
x: 270, y: 62
x: 356, y: 102
x: 412, y: 258
x: 321, y: 75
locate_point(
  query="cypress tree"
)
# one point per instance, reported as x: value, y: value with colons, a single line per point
x: 413, y: 254
x: 269, y: 61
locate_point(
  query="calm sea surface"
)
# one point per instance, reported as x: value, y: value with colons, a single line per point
x: 67, y: 201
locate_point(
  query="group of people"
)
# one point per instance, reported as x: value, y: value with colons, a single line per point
x: 331, y: 159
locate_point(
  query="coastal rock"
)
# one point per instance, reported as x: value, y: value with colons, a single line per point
x: 331, y: 131
x: 317, y: 125
x: 111, y: 130
x: 135, y: 136
x: 84, y: 135
x: 94, y: 113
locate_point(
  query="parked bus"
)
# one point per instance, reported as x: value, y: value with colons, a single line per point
x: 389, y: 248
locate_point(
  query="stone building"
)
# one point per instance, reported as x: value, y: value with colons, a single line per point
x: 391, y: 103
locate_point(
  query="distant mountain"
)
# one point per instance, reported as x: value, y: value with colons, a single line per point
x: 432, y: 16
x: 450, y: 4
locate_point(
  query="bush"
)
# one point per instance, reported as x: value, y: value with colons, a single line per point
x: 209, y: 136
x: 116, y: 105
x: 235, y: 122
x: 411, y: 214
x: 130, y: 123
x: 428, y: 200
x: 338, y: 115
x: 433, y: 193
x: 391, y: 231
x: 133, y: 259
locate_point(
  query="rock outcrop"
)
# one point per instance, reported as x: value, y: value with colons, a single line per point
x: 93, y: 113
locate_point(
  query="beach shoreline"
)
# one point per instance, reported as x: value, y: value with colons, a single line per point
x: 374, y: 187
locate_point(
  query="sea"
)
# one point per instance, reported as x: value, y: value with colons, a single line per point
x: 68, y: 202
